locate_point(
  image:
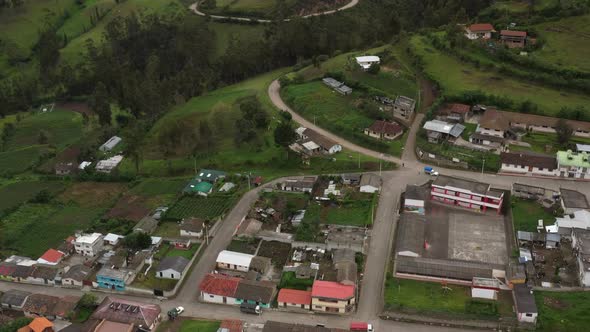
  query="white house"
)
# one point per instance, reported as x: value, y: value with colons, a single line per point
x: 315, y: 142
x: 112, y: 239
x: 581, y: 244
x: 217, y: 288
x: 370, y: 183
x: 367, y: 61
x: 192, y: 227
x: 231, y: 260
x: 479, y: 31
x: 526, y: 308
x: 172, y: 267
x: 528, y: 163
x: 88, y: 244
x: 75, y: 275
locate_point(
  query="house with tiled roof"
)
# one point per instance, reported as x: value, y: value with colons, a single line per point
x: 294, y: 299
x: 479, y: 31
x: 332, y: 297
x: 75, y: 275
x: 384, y: 130
x: 528, y: 163
x: 217, y: 288
x: 123, y: 311
x: 513, y: 38
x: 39, y: 324
x: 7, y: 270
x: 454, y: 112
x: 255, y: 292
x: 231, y: 325
x: 44, y: 275
x: 41, y: 305
x: 51, y: 257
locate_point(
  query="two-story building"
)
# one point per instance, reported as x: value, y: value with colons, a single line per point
x: 466, y: 193
x: 88, y: 244
x: 332, y: 297
x: 404, y: 107
x: 111, y: 278
x: 573, y: 164
x: 513, y: 38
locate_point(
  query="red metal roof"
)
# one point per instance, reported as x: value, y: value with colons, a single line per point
x: 358, y: 326
x: 218, y: 284
x: 481, y: 27
x: 52, y: 255
x: 513, y: 33
x: 460, y: 108
x: 294, y: 296
x: 233, y: 325
x: 332, y: 290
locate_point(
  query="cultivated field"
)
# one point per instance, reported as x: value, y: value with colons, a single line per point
x: 16, y: 193
x: 561, y: 311
x: 456, y: 77
x: 208, y: 208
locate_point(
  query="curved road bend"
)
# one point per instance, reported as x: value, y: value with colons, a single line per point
x: 195, y: 9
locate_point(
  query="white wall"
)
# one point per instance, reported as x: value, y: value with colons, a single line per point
x: 294, y: 306
x: 168, y: 274
x: 232, y: 267
x: 491, y: 132
x: 368, y: 189
x: 193, y: 234
x: 212, y: 298
x: 522, y: 317
x: 481, y: 293
x: 71, y: 283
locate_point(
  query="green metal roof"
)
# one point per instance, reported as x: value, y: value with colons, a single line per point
x: 569, y: 158
x: 195, y: 186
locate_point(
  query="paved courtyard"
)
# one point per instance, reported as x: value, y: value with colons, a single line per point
x: 477, y: 237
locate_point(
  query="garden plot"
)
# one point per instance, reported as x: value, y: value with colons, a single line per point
x: 278, y: 252
x: 211, y: 208
x: 244, y: 246
x: 274, y: 209
x: 348, y: 213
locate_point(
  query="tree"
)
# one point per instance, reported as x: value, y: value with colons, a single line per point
x: 528, y: 107
x: 137, y: 241
x: 48, y: 48
x: 206, y: 136
x: 133, y: 138
x: 16, y: 324
x: 88, y: 300
x: 285, y: 135
x: 374, y: 69
x: 99, y: 102
x: 43, y: 196
x: 43, y: 137
x: 564, y: 132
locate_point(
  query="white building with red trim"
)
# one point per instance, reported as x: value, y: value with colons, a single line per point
x: 466, y: 193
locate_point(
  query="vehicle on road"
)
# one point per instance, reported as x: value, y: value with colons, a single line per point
x: 361, y: 327
x: 250, y: 308
x: 430, y: 170
x: 175, y: 312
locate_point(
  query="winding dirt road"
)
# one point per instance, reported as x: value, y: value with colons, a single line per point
x: 195, y: 9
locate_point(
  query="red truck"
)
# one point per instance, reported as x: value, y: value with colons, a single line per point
x: 361, y: 327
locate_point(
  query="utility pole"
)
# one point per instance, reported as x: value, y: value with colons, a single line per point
x: 380, y: 161
x: 249, y: 173
x: 483, y: 165
x: 359, y: 160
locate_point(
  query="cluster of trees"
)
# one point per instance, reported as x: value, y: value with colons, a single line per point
x: 253, y: 118
x: 10, y: 4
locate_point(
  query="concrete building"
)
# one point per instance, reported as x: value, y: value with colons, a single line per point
x: 524, y: 301
x: 466, y: 193
x: 572, y: 201
x: 144, y: 315
x: 192, y: 227
x: 231, y: 260
x: 528, y: 163
x: 112, y: 279
x: 513, y: 38
x: 485, y: 288
x: 365, y: 62
x: 332, y: 297
x: 256, y: 292
x: 573, y: 164
x: 75, y: 276
x: 88, y: 244
x: 370, y: 183
x: 581, y: 246
x: 577, y: 220
x: 14, y: 299
x: 438, y: 131
x: 404, y: 107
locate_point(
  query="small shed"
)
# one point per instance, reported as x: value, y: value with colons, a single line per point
x: 552, y: 240
x: 303, y: 271
x: 485, y: 288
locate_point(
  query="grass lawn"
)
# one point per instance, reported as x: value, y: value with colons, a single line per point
x: 539, y: 142
x: 199, y: 326
x: 469, y: 129
x: 167, y: 229
x: 288, y: 280
x: 456, y: 77
x: 352, y: 213
x: 526, y: 213
x: 62, y: 128
x: 563, y: 36
x: 14, y: 194
x: 475, y: 159
x: 150, y: 281
x: 188, y: 254
x: 430, y: 298
x: 161, y: 186
x: 561, y: 311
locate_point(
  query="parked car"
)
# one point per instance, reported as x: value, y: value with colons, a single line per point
x: 173, y: 313
x: 250, y: 308
x: 430, y: 170
x: 361, y: 327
